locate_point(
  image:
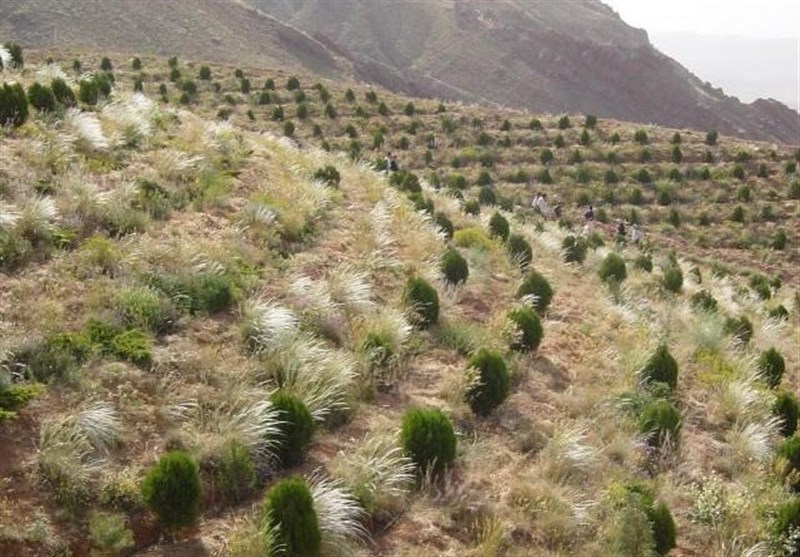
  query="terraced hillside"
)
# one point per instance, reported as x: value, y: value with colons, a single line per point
x: 214, y: 276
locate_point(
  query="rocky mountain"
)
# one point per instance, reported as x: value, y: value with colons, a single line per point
x: 543, y: 55
x: 576, y: 56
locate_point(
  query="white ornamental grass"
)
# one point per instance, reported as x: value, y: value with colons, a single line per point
x: 739, y: 400
x: 49, y: 72
x: 309, y: 295
x: 171, y: 164
x: 132, y: 116
x: 256, y: 217
x: 267, y: 324
x: 86, y: 128
x: 350, y: 288
x: 568, y: 452
x: 754, y: 441
x: 317, y: 375
x: 376, y: 470
x: 5, y: 57
x: 339, y: 515
x: 37, y: 216
x: 99, y: 422
x: 9, y: 215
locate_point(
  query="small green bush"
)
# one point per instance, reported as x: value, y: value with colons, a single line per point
x: 784, y: 528
x: 454, y: 267
x: 146, y: 308
x: 490, y: 387
x: 445, y: 224
x: 472, y: 207
x: 779, y: 240
x: 132, y: 345
x: 293, y: 84
x: 486, y: 196
x: 644, y: 262
x: 41, y: 97
x: 520, y: 250
x: 779, y: 312
x: 672, y: 278
x: 538, y: 288
x: 105, y: 64
x: 787, y: 410
x: 661, y: 367
x: 296, y: 430
x: 529, y: 332
x: 13, y: 105
x: 288, y: 128
x: 498, y: 227
x: 711, y: 137
x: 741, y: 329
x: 640, y: 137
x: 704, y: 301
x: 574, y: 249
x: 289, y: 506
x: 771, y: 366
x: 172, y: 490
x: 328, y: 175
x: 236, y: 474
x: 405, y: 181
x: 108, y: 533
x: 660, y: 420
x: 428, y: 439
x: 422, y: 298
x: 663, y: 528
x: 62, y: 92
x: 788, y: 462
x: 613, y: 269
x: 16, y: 54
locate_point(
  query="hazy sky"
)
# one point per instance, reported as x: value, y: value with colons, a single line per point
x: 747, y: 18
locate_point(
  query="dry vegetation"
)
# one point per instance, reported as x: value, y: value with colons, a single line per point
x: 168, y: 266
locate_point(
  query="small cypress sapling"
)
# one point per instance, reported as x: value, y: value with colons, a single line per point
x: 13, y: 105
x: 498, y: 227
x: 786, y: 409
x: 519, y: 250
x: 486, y: 196
x: 205, y: 73
x: 454, y: 267
x: 574, y: 249
x: 663, y: 527
x: 41, y: 97
x: 661, y: 368
x: 659, y: 420
x: 741, y: 328
x: 445, y: 224
x: 704, y: 301
x: 289, y: 507
x: 613, y: 269
x: 472, y: 207
x: 15, y: 51
x: 491, y: 384
x: 771, y: 365
x: 673, y: 278
x: 529, y: 331
x: 538, y: 287
x: 297, y: 428
x: 423, y: 299
x: 428, y: 439
x: 788, y: 462
x: 63, y: 92
x: 172, y: 490
x: 236, y: 474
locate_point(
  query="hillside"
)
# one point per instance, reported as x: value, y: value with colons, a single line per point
x: 227, y: 31
x: 546, y: 56
x: 543, y: 56
x: 177, y: 262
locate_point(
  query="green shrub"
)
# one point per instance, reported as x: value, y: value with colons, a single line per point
x: 13, y: 105
x: 788, y: 462
x: 445, y: 224
x: 41, y: 97
x: 672, y: 278
x: 741, y: 329
x: 711, y: 137
x: 613, y: 269
x: 405, y: 181
x: 454, y: 267
x: 574, y: 249
x: 486, y: 196
x: 564, y: 123
x: 661, y: 368
x: 660, y: 420
x: 277, y: 114
x: 62, y: 92
x: 133, y: 346
x: 779, y: 312
x: 786, y: 409
x: 761, y: 286
x: 704, y: 301
x: 329, y: 175
x: 663, y: 528
x: 640, y: 137
x: 490, y: 386
x: 779, y: 240
x: 644, y: 262
x: 147, y: 309
x: 520, y: 250
x: 16, y: 54
x: 422, y: 298
x: 289, y: 506
x: 771, y: 366
x: 538, y: 288
x: 55, y: 357
x: 105, y: 64
x: 529, y: 332
x: 236, y: 474
x: 195, y: 293
x: 293, y: 84
x: 296, y: 429
x: 498, y: 227
x: 172, y: 490
x: 108, y: 533
x: 784, y: 528
x: 428, y: 439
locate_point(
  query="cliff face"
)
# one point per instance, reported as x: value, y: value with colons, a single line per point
x: 546, y: 56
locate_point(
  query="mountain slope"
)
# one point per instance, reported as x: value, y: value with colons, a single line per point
x: 546, y: 56
x: 208, y: 30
